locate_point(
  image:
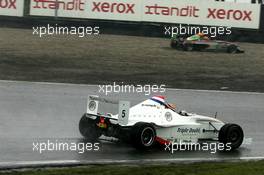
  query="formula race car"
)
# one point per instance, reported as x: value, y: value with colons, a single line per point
x: 155, y: 122
x: 182, y: 43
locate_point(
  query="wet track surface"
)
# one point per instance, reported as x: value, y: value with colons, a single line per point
x: 38, y: 112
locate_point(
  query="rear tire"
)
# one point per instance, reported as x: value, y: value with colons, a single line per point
x: 231, y: 134
x: 187, y: 47
x: 232, y: 49
x: 143, y: 135
x: 88, y: 128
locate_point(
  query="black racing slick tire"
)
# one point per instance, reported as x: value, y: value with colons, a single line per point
x: 143, y: 136
x: 89, y: 129
x: 231, y: 134
x: 174, y: 44
x: 232, y: 49
x: 187, y: 47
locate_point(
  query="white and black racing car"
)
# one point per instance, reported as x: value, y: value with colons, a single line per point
x: 154, y: 121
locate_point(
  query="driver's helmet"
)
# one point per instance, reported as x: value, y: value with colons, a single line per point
x: 171, y: 106
x: 206, y: 38
x: 201, y: 34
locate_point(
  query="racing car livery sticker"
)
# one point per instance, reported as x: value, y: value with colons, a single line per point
x: 189, y: 130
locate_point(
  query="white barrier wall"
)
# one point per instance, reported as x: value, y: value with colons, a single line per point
x: 128, y: 10
x: 202, y: 12
x: 12, y: 7
x: 238, y: 1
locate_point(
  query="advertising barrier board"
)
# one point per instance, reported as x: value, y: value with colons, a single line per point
x: 202, y: 12
x: 12, y: 7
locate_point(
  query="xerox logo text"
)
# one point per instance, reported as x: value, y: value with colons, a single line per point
x: 9, y: 4
x: 113, y: 7
x: 230, y: 14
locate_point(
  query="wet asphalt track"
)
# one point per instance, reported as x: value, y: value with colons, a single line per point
x: 37, y: 112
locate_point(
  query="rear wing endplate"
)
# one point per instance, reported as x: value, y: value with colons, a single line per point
x: 123, y: 107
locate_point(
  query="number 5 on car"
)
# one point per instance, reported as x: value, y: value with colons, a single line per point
x: 123, y: 113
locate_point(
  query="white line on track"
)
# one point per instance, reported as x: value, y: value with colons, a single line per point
x: 22, y: 164
x: 92, y: 85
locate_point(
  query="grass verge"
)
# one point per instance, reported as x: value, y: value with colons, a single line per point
x: 104, y: 59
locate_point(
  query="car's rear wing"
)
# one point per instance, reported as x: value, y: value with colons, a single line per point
x: 123, y: 107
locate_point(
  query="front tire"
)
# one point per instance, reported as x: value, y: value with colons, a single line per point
x: 88, y: 128
x: 143, y: 135
x: 231, y: 134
